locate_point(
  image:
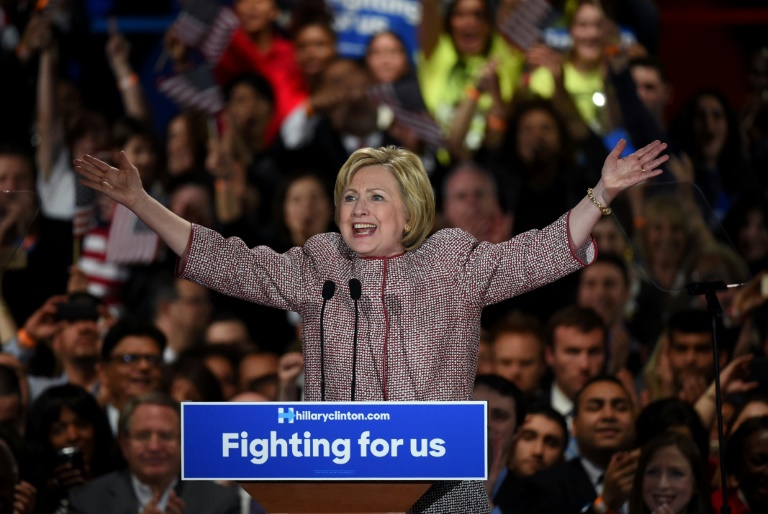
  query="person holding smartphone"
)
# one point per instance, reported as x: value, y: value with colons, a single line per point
x: 72, y: 443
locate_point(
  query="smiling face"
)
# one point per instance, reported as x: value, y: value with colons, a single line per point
x: 386, y: 58
x: 469, y: 27
x: 152, y: 445
x: 315, y: 48
x: 604, y: 422
x: 470, y: 196
x: 690, y: 354
x: 587, y: 33
x: 72, y: 430
x: 307, y: 209
x: 665, y: 238
x: 142, y: 374
x: 372, y: 214
x: 668, y: 480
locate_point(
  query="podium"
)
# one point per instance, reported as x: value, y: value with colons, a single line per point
x: 335, y: 457
x: 335, y: 497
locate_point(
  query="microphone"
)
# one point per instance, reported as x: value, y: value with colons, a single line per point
x: 329, y: 287
x: 355, y: 291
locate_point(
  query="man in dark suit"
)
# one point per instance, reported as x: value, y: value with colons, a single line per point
x: 150, y: 439
x: 600, y: 479
x: 539, y: 445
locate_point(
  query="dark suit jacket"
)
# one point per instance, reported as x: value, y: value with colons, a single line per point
x: 563, y: 489
x: 510, y: 497
x: 113, y: 494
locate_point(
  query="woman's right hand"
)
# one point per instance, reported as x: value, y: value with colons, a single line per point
x: 122, y: 184
x: 66, y: 477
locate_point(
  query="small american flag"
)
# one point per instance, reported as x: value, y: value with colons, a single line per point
x: 224, y: 25
x: 130, y: 241
x: 206, y: 25
x: 195, y: 89
x: 83, y: 220
x: 523, y: 25
x: 408, y: 110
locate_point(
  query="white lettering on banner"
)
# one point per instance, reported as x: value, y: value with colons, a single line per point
x: 379, y: 447
x: 262, y: 449
x: 435, y: 448
x: 306, y: 415
x: 407, y: 9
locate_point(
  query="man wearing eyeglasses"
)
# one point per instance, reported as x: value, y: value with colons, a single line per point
x: 131, y: 364
x: 150, y: 439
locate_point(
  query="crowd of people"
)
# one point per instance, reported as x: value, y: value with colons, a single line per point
x: 600, y: 386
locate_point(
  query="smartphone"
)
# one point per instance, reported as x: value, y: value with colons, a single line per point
x: 71, y: 454
x: 73, y: 311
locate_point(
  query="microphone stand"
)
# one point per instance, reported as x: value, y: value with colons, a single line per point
x: 709, y: 290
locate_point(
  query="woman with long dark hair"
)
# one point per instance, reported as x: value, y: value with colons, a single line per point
x: 64, y: 422
x: 670, y: 478
x: 707, y: 130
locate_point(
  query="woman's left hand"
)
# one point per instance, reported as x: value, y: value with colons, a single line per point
x: 620, y: 173
x: 24, y: 499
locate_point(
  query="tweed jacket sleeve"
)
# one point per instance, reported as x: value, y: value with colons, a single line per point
x: 259, y: 275
x: 496, y: 272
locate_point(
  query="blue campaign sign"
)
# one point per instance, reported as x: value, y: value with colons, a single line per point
x: 334, y: 440
x: 355, y: 21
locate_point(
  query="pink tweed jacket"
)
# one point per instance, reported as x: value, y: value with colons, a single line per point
x: 419, y: 314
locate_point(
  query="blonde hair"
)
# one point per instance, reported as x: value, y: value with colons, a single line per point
x: 415, y: 188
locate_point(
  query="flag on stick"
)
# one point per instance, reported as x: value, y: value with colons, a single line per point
x: 206, y: 25
x: 195, y: 89
x: 523, y: 24
x: 82, y: 220
x: 130, y: 241
x: 408, y: 109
